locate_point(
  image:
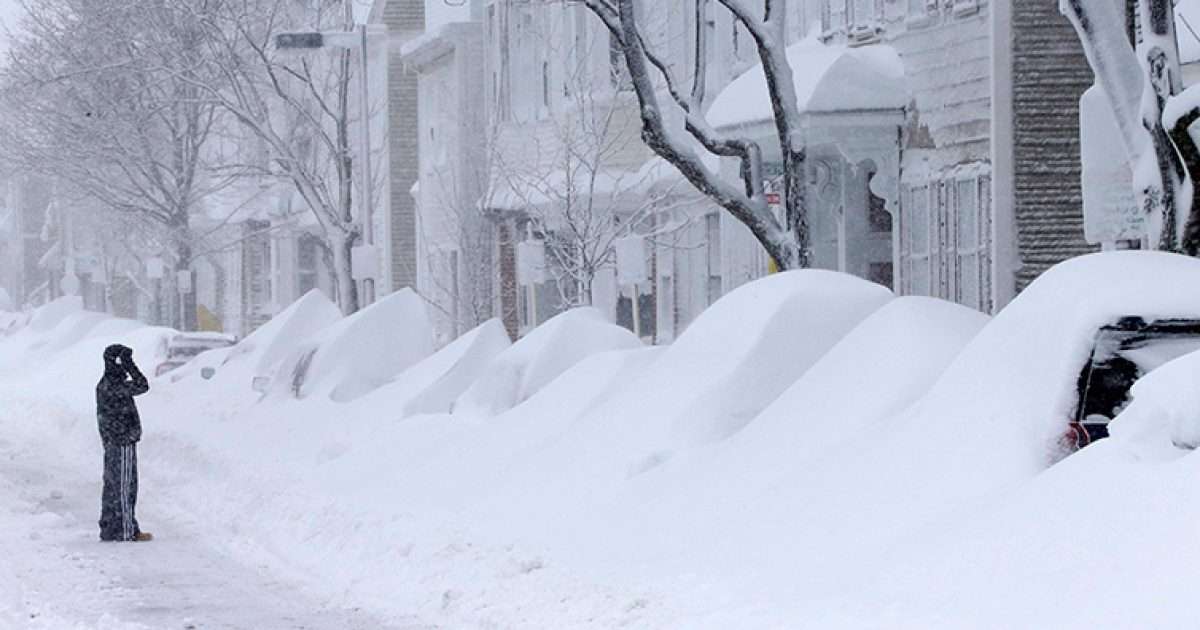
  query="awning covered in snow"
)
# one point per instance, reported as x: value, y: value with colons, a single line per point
x: 827, y: 79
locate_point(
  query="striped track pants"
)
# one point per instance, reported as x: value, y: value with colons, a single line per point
x: 119, y: 497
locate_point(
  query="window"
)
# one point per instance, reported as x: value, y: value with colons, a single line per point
x: 879, y: 220
x: 945, y: 249
x: 967, y: 240
x: 835, y: 14
x: 917, y: 228
x: 307, y: 258
x: 865, y: 11
x: 712, y: 235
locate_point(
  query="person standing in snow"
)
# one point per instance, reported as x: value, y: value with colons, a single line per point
x: 120, y: 430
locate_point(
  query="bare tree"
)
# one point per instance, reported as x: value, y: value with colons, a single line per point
x: 102, y: 96
x: 788, y: 241
x: 297, y: 105
x: 568, y: 177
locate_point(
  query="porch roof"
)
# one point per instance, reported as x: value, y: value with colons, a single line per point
x: 827, y: 79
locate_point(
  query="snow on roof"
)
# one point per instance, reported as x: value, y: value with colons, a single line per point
x: 827, y: 79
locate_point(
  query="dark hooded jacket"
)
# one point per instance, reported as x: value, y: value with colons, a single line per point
x: 116, y: 412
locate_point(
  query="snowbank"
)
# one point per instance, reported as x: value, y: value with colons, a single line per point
x: 1164, y: 416
x: 540, y: 357
x: 360, y: 352
x: 432, y: 385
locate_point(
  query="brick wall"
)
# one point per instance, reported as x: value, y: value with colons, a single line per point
x: 1050, y: 73
x: 404, y: 18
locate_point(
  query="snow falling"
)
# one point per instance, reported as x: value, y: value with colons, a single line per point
x: 407, y: 314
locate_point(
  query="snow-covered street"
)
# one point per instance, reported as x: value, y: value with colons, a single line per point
x: 599, y: 314
x: 551, y: 483
x: 57, y: 576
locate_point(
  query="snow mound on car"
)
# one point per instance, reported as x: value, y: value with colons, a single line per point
x: 51, y: 314
x: 747, y: 348
x: 432, y: 385
x: 270, y: 343
x: 1006, y: 400
x: 880, y: 368
x: 730, y: 364
x: 540, y: 357
x: 361, y: 352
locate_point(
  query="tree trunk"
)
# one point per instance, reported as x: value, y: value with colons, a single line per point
x: 1190, y: 154
x: 347, y: 290
x: 796, y: 210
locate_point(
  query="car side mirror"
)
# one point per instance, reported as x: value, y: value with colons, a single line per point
x: 260, y: 384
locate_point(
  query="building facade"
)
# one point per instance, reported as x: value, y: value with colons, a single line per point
x: 942, y: 139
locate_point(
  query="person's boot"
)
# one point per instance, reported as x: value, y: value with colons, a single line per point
x: 143, y: 537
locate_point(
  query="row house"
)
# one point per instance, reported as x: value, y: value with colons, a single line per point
x: 942, y: 136
x: 943, y: 141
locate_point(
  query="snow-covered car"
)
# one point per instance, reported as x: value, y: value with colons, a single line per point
x: 187, y: 346
x: 1124, y: 352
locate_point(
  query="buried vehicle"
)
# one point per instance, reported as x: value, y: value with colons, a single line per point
x: 1123, y: 352
x: 184, y: 347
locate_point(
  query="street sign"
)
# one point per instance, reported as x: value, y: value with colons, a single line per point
x: 299, y: 40
x: 184, y: 278
x: 155, y: 268
x: 1110, y: 209
x: 631, y: 260
x: 364, y: 262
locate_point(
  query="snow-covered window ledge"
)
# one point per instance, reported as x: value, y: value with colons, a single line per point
x: 963, y: 8
x: 863, y: 34
x: 829, y: 35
